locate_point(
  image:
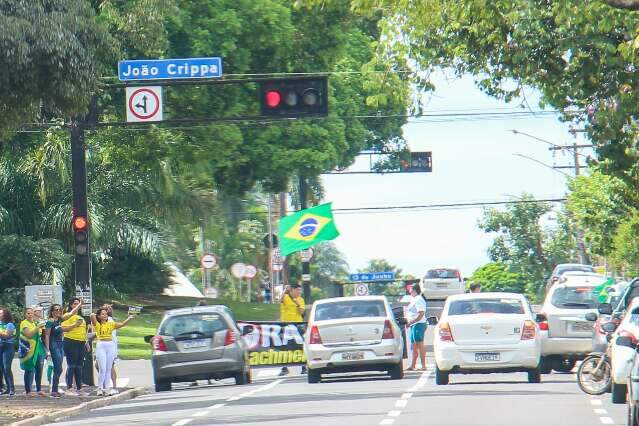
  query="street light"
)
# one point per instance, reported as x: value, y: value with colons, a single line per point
x: 541, y: 163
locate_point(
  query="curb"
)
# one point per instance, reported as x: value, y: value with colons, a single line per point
x: 80, y: 408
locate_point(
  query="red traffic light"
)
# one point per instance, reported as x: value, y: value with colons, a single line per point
x: 273, y: 98
x: 80, y: 223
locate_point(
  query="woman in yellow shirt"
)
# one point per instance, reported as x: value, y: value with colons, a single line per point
x: 105, y: 348
x: 292, y: 310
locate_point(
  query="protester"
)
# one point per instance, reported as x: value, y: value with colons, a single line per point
x: 73, y: 345
x: 292, y: 310
x: 475, y: 288
x: 417, y: 322
x: 1, y: 369
x: 114, y: 373
x: 53, y: 342
x: 7, y: 350
x: 32, y: 352
x: 105, y: 348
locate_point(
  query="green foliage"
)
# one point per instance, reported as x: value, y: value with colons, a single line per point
x: 626, y: 255
x: 388, y: 289
x: 495, y: 276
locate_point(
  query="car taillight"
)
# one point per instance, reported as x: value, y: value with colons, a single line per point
x: 159, y: 345
x: 230, y: 337
x: 543, y: 325
x: 315, y: 339
x: 445, y: 335
x: 626, y: 333
x: 529, y: 330
x: 388, y: 330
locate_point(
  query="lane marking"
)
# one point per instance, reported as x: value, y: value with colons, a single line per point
x: 387, y: 422
x: 401, y: 403
x: 595, y: 401
x: 394, y: 413
x: 216, y: 406
x: 233, y: 398
x: 600, y: 411
x: 182, y: 422
x: 406, y: 395
x: 607, y: 420
x: 201, y: 414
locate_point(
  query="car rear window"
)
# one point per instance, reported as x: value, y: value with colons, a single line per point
x: 204, y: 324
x: 577, y: 297
x: 442, y: 273
x: 486, y: 306
x: 575, y: 268
x: 350, y: 309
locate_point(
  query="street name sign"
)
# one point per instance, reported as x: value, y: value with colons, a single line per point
x: 143, y: 104
x: 372, y: 276
x: 169, y: 69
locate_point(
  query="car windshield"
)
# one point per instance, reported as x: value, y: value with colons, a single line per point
x: 350, y: 309
x: 575, y: 297
x: 203, y: 324
x: 486, y: 306
x: 441, y: 273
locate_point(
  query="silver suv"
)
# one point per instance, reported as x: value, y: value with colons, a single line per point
x: 199, y: 343
x: 566, y: 334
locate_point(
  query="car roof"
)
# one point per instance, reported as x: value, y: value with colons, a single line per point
x: 197, y: 309
x: 350, y: 298
x: 578, y: 279
x: 490, y: 295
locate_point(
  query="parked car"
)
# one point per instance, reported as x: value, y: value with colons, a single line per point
x: 565, y: 267
x: 633, y: 380
x: 622, y: 356
x: 439, y: 283
x: 467, y: 340
x: 199, y: 343
x: 612, y: 311
x: 349, y: 334
x: 566, y: 334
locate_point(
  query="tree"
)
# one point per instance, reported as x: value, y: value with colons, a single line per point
x: 625, y: 257
x: 495, y: 276
x: 623, y: 4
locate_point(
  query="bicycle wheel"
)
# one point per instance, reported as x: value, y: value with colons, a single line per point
x: 593, y: 380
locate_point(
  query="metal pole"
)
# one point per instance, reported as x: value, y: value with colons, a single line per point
x: 270, y: 247
x: 202, y: 254
x: 82, y: 264
x: 306, y: 265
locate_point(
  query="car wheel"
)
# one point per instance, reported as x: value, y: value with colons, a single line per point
x: 313, y: 376
x: 162, y: 385
x: 545, y: 366
x: 619, y: 393
x: 534, y: 376
x: 241, y: 378
x: 564, y: 365
x: 397, y: 371
x: 441, y: 377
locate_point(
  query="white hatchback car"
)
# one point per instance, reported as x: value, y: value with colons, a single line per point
x: 622, y: 356
x: 439, y: 283
x: 486, y: 333
x: 348, y: 334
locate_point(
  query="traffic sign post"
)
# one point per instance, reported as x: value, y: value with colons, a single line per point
x: 208, y: 261
x: 169, y: 69
x: 250, y: 273
x: 143, y: 104
x: 238, y: 270
x: 361, y: 290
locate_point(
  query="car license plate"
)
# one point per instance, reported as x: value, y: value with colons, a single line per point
x: 189, y: 344
x: 486, y: 356
x: 582, y: 326
x: 442, y: 285
x: 352, y: 356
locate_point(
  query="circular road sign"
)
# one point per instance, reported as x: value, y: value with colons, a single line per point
x: 144, y: 104
x: 361, y: 290
x: 238, y: 270
x: 208, y: 261
x: 306, y: 255
x: 250, y: 272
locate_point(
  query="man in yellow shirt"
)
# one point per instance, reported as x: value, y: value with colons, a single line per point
x: 292, y: 310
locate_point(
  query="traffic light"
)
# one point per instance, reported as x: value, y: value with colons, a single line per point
x: 294, y: 97
x: 81, y: 235
x: 416, y: 162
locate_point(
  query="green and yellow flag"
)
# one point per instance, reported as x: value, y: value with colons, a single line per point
x: 306, y: 228
x: 602, y: 289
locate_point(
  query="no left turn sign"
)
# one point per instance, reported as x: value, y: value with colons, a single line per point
x: 208, y: 261
x: 143, y: 104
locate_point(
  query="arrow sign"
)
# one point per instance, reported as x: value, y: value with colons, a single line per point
x: 143, y: 104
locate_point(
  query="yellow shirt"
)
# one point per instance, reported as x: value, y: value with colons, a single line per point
x: 289, y: 310
x: 103, y: 330
x: 78, y: 333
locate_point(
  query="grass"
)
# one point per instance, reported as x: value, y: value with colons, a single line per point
x: 131, y: 344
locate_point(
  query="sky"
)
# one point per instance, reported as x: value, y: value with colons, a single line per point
x: 473, y: 161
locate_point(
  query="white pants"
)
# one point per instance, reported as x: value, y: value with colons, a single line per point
x: 105, y: 354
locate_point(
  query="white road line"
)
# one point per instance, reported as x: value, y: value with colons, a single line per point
x: 233, y: 398
x: 401, y: 403
x: 394, y: 413
x: 406, y: 395
x: 600, y: 411
x: 387, y: 422
x: 595, y: 401
x: 607, y: 420
x: 216, y: 406
x: 269, y: 386
x: 201, y: 414
x: 182, y: 422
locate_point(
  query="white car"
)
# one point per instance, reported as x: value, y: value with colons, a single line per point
x: 566, y: 334
x: 486, y: 333
x: 348, y: 334
x: 622, y: 356
x: 439, y: 283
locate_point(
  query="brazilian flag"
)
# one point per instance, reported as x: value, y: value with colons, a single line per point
x: 306, y: 228
x: 602, y: 289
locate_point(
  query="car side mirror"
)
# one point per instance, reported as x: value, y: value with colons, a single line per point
x: 605, y: 309
x: 591, y: 316
x: 624, y: 341
x: 147, y: 339
x: 247, y: 329
x: 609, y: 327
x: 540, y: 318
x: 432, y: 320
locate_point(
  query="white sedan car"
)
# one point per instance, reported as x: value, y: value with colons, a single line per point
x: 622, y: 356
x: 486, y: 333
x: 439, y: 283
x: 348, y: 334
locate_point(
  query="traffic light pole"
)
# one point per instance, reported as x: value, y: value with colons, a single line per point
x: 306, y: 265
x: 82, y: 263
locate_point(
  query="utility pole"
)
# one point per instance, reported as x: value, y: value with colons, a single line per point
x: 283, y: 211
x: 306, y: 264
